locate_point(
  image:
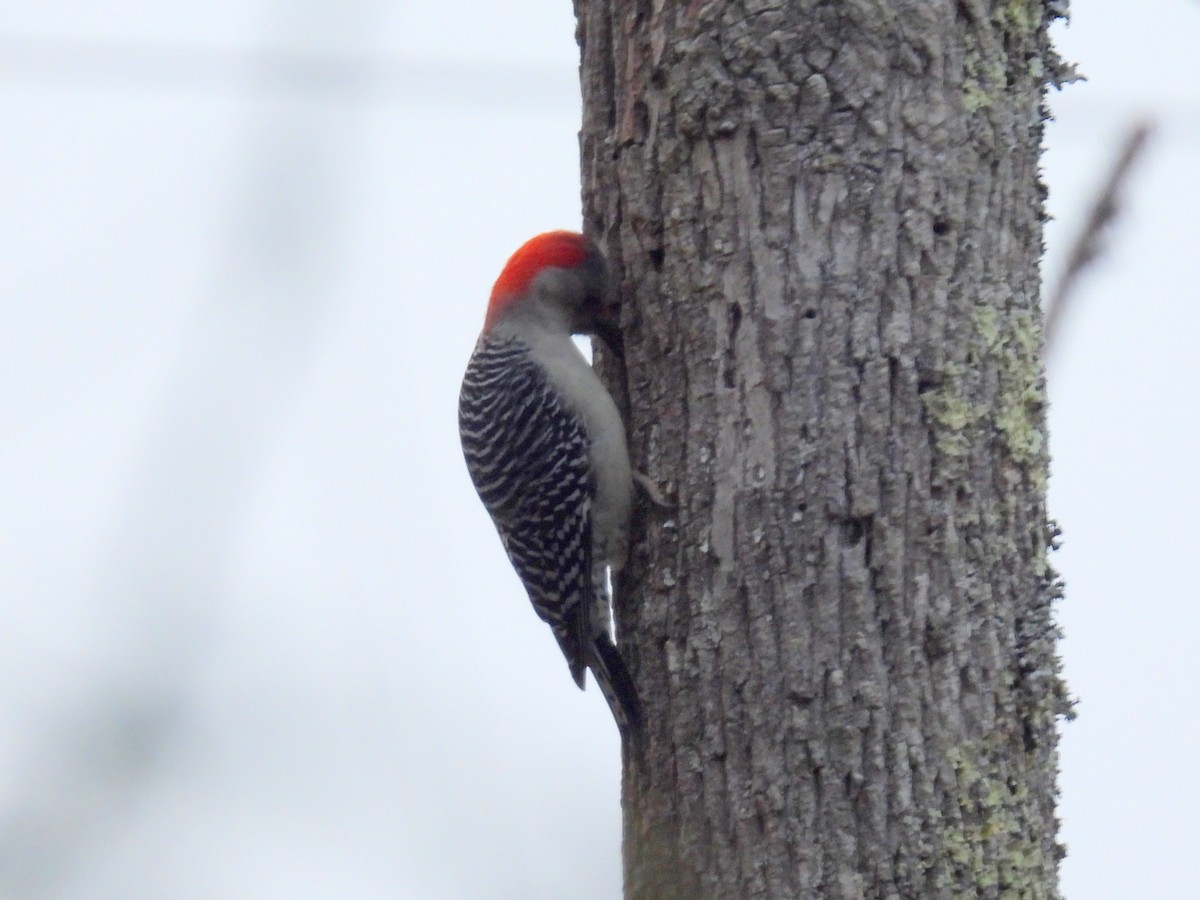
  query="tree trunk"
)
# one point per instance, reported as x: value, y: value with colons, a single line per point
x: 828, y: 221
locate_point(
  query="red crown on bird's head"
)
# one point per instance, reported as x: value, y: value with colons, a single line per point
x: 553, y: 249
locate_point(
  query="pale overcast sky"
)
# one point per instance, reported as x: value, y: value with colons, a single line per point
x: 259, y: 637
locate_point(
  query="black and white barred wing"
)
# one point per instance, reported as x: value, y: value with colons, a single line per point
x: 529, y: 460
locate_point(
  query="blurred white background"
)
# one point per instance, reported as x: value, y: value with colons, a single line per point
x: 259, y: 638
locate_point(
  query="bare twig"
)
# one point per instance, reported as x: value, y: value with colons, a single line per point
x: 1089, y: 245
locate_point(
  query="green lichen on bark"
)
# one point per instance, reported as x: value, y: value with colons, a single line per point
x: 954, y: 416
x: 1023, y: 15
x: 1004, y: 349
x: 1010, y: 340
x: 983, y: 81
x: 986, y: 839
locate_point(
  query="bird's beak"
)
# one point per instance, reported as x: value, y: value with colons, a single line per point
x: 608, y: 328
x: 610, y: 333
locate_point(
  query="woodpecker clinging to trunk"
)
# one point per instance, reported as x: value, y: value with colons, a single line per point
x: 546, y: 449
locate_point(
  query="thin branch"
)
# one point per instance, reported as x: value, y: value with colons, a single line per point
x: 1089, y: 245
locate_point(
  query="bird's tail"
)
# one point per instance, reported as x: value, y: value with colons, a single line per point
x: 615, y: 682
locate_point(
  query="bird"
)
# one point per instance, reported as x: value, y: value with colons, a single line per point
x: 545, y: 447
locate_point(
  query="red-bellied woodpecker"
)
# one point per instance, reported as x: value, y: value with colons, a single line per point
x: 546, y: 449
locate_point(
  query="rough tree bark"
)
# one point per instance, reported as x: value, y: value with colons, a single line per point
x: 828, y: 221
